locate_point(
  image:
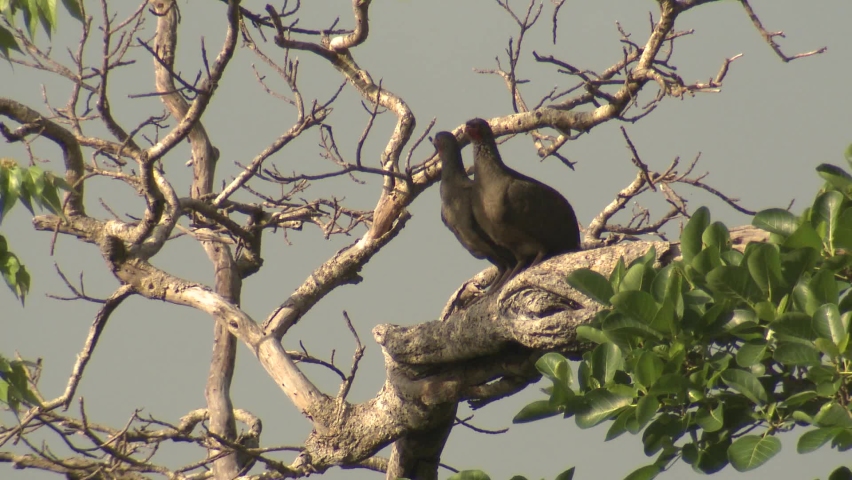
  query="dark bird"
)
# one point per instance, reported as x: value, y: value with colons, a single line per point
x: 457, y: 211
x: 517, y: 212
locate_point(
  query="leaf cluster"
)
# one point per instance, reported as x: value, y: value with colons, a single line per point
x: 480, y: 475
x: 35, y: 12
x: 14, y: 384
x: 712, y: 355
x: 29, y: 186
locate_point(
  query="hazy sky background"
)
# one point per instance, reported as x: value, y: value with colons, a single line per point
x: 760, y: 139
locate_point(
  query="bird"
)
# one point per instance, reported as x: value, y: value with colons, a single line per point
x: 457, y: 211
x: 518, y: 213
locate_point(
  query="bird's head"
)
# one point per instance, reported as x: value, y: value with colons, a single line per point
x: 478, y: 130
x: 445, y: 141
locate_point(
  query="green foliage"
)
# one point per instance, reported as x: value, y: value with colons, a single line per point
x: 27, y: 185
x: 14, y: 272
x: 711, y: 356
x: 34, y: 12
x: 480, y: 475
x: 14, y: 384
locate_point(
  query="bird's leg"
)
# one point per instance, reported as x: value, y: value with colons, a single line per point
x: 519, y: 266
x: 499, y: 280
x: 538, y: 258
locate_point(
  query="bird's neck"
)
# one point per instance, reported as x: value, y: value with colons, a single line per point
x: 487, y: 159
x: 453, y: 171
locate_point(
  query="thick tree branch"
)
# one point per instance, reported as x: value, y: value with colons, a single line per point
x: 166, y: 11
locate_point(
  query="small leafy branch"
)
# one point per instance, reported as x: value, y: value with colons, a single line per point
x: 27, y: 185
x: 712, y: 355
x: 15, y: 383
x: 34, y: 12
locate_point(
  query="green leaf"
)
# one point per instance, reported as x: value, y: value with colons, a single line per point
x: 796, y: 354
x: 591, y: 284
x: 470, y: 475
x: 764, y: 264
x: 10, y: 189
x: 804, y: 236
x: 827, y: 347
x: 751, y: 451
x: 822, y: 373
x: 618, y: 323
x: 766, y: 311
x: 836, y: 176
x: 706, y: 261
x: 47, y: 15
x: 751, y: 354
x: 690, y: 239
x: 736, y: 283
x: 799, y: 398
x: 636, y: 304
x: 776, y: 220
x: 824, y: 287
x: 536, y: 411
x: 647, y: 259
x: 555, y: 367
x: 34, y: 182
x: 843, y: 232
x: 638, y: 277
x: 602, y: 405
x: 619, y: 426
x: 713, y: 458
x: 606, y: 360
x: 592, y: 334
x: 584, y: 374
x: 826, y: 212
x: 733, y: 258
x: 843, y: 440
x: 828, y: 324
x: 7, y: 42
x: 794, y: 324
x: 648, y: 472
x: 50, y: 195
x: 662, y: 432
x: 30, y: 10
x: 4, y: 391
x: 796, y: 263
x: 697, y: 297
x: 833, y: 415
x: 73, y: 7
x: 805, y: 299
x: 668, y: 283
x: 15, y: 274
x: 711, y: 420
x: 739, y: 320
x: 841, y: 473
x: 646, y: 408
x: 670, y: 384
x: 617, y: 275
x: 662, y: 285
x: 812, y: 440
x: 664, y: 319
x: 745, y: 383
x: 566, y: 475
x: 648, y: 369
x: 716, y: 235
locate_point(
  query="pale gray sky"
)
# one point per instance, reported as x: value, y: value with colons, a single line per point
x: 760, y: 139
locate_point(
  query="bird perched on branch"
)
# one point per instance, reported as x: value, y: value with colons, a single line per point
x: 457, y: 211
x: 519, y: 213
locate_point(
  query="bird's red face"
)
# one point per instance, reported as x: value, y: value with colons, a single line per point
x: 477, y: 129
